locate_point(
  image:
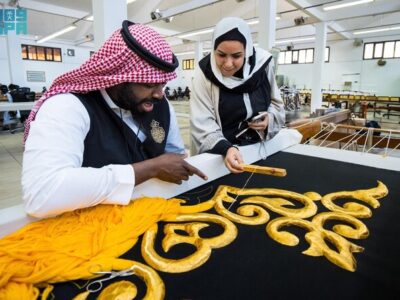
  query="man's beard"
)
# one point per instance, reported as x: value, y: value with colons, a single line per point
x: 134, y: 107
x: 128, y: 101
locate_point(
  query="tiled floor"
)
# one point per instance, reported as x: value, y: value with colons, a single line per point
x: 11, y: 150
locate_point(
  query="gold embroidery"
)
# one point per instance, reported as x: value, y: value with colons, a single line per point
x: 316, y: 237
x: 157, y: 132
x: 121, y: 290
x: 203, y: 246
x: 273, y: 199
x: 354, y: 209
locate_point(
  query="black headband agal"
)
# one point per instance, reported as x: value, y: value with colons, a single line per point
x: 133, y: 44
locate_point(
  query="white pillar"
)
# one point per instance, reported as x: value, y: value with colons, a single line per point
x: 108, y: 16
x: 319, y: 57
x: 198, y: 52
x: 267, y: 25
x: 15, y: 65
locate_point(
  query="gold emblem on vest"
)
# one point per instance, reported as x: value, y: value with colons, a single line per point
x: 157, y: 132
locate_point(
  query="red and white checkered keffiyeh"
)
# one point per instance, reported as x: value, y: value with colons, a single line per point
x: 112, y: 64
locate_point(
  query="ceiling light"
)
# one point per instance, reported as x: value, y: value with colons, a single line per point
x: 90, y: 18
x: 196, y: 33
x: 190, y: 52
x: 294, y: 40
x: 377, y: 30
x: 130, y: 1
x: 57, y: 33
x: 256, y: 21
x: 184, y: 53
x: 337, y: 6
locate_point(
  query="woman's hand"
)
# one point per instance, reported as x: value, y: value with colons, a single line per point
x: 233, y: 159
x: 261, y: 124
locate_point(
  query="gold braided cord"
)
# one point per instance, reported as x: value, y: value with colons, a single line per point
x: 76, y: 244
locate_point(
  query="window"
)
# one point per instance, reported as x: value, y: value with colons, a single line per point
x: 300, y: 56
x: 24, y: 52
x: 188, y: 64
x: 30, y: 52
x: 49, y: 54
x: 57, y: 54
x: 309, y: 56
x: 327, y: 54
x: 377, y: 50
x: 397, y: 51
x: 368, y: 51
x: 40, y: 53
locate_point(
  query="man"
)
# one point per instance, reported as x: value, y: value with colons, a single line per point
x: 105, y: 127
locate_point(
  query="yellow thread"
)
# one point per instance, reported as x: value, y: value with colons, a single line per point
x: 69, y: 246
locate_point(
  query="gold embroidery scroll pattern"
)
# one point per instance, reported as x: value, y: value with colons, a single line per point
x: 369, y: 196
x: 252, y: 212
x: 195, y: 223
x: 154, y: 285
x: 317, y: 235
x: 118, y: 290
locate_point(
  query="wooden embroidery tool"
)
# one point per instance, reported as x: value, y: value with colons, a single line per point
x: 264, y: 170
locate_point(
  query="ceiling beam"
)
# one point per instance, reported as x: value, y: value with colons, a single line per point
x: 314, y: 12
x: 53, y: 9
x: 186, y: 7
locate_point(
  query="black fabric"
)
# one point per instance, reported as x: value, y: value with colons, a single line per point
x: 254, y: 266
x: 111, y: 141
x: 232, y: 35
x: 152, y: 59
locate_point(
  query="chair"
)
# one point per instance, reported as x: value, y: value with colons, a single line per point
x: 24, y: 89
x: 30, y: 96
x: 23, y: 95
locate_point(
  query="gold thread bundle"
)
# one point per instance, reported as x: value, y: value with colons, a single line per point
x: 74, y: 245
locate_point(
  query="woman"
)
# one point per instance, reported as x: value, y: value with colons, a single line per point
x: 234, y: 84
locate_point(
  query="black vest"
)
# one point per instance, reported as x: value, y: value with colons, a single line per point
x: 111, y: 141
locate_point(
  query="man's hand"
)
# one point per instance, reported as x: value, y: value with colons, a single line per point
x: 170, y: 167
x: 173, y: 168
x: 233, y: 159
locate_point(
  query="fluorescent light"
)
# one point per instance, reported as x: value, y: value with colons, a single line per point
x: 130, y: 1
x: 256, y: 21
x: 90, y: 18
x: 190, y: 52
x: 184, y: 53
x: 294, y: 40
x: 196, y: 33
x: 57, y: 33
x: 337, y: 6
x: 253, y: 22
x: 377, y: 30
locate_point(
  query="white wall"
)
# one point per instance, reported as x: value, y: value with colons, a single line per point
x: 346, y: 64
x: 184, y: 77
x: 51, y: 69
